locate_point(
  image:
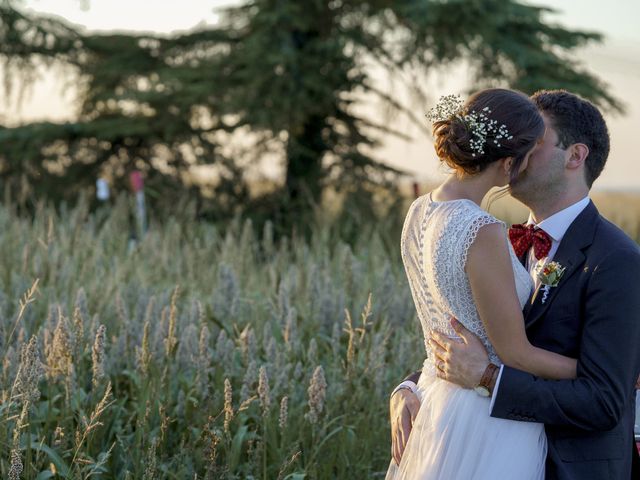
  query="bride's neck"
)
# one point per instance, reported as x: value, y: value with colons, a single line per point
x: 473, y: 188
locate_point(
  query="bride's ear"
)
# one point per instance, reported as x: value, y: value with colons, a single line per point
x: 506, y: 164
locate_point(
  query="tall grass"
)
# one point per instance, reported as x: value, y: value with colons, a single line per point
x: 204, y: 352
x: 201, y: 353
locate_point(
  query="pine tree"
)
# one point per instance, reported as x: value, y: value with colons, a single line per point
x: 283, y: 76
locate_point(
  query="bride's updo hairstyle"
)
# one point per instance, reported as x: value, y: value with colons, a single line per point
x: 493, y: 124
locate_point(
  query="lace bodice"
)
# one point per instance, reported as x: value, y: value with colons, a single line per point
x: 435, y: 240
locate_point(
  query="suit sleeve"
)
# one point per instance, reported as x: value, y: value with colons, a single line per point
x: 609, y: 358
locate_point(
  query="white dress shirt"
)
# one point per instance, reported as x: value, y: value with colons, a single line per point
x: 555, y: 226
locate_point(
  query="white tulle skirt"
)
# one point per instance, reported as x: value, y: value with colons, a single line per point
x: 454, y: 438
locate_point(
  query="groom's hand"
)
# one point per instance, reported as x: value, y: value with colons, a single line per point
x: 403, y: 408
x: 461, y: 362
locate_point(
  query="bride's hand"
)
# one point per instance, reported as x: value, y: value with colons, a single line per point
x: 403, y: 408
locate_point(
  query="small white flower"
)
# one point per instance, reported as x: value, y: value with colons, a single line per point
x: 447, y: 107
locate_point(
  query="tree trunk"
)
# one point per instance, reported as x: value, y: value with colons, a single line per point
x: 305, y: 175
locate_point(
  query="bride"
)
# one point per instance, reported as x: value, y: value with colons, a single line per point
x: 459, y: 263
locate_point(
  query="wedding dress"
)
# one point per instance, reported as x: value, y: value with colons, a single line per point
x: 453, y: 436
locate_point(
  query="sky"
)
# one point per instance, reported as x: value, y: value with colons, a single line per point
x: 617, y: 62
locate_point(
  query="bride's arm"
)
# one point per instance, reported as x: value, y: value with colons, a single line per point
x: 492, y: 282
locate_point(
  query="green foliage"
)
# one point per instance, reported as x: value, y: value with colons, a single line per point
x: 191, y: 309
x: 274, y: 78
x: 244, y: 301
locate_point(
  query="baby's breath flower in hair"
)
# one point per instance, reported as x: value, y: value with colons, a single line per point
x: 447, y: 107
x: 479, y: 124
x: 481, y: 127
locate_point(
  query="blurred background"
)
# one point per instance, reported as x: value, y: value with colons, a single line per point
x: 200, y: 210
x: 220, y: 103
x: 614, y: 60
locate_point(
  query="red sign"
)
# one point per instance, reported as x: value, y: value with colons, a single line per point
x: 137, y: 183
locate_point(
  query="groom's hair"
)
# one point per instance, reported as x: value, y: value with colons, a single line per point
x: 577, y: 120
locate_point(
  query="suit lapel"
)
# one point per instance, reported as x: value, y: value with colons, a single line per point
x: 570, y: 255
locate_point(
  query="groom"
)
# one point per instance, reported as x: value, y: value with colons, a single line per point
x: 593, y: 314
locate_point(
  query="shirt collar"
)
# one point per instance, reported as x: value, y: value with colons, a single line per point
x: 558, y: 223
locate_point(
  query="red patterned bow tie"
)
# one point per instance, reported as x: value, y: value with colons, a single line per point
x: 523, y: 236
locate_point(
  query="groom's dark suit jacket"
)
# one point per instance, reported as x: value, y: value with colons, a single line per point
x: 592, y: 315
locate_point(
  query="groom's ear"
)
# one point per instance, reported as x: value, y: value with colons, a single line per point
x: 578, y: 153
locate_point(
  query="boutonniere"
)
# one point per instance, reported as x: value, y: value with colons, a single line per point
x: 549, y: 276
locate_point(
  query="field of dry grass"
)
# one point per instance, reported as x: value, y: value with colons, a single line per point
x: 205, y: 352
x: 202, y: 353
